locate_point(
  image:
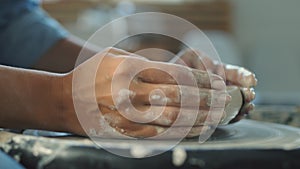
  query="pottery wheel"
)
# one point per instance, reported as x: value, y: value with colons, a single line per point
x: 246, y: 144
x: 246, y: 134
x: 251, y: 134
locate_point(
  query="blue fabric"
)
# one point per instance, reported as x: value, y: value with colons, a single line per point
x: 7, y: 162
x: 26, y: 32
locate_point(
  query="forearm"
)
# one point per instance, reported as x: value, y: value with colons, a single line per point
x: 62, y: 56
x: 31, y: 99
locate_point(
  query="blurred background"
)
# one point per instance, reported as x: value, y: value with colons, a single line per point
x: 261, y: 35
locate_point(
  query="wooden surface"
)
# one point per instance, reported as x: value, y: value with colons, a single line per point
x: 207, y: 15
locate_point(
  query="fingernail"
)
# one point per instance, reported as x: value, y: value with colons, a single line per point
x: 251, y: 107
x: 252, y: 94
x: 249, y: 81
x: 218, y: 84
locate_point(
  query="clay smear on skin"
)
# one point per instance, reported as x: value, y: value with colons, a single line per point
x: 123, y: 96
x: 161, y: 99
x: 241, y: 71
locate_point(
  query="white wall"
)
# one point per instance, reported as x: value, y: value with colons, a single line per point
x: 268, y: 32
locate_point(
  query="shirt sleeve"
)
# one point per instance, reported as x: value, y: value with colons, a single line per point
x: 26, y: 37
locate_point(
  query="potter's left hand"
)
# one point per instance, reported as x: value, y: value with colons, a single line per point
x: 234, y: 75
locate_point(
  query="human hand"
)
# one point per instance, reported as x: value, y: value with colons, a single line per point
x: 157, y: 99
x: 234, y: 75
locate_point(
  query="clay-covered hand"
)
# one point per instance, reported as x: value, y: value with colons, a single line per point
x: 142, y: 103
x: 234, y: 75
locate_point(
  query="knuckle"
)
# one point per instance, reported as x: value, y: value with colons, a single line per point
x: 171, y: 116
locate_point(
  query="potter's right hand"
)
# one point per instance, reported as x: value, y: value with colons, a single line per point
x: 154, y: 94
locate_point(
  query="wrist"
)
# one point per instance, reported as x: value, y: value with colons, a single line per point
x: 54, y: 107
x: 70, y: 122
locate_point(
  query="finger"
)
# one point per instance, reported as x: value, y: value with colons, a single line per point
x: 173, y: 116
x: 132, y: 129
x: 233, y: 74
x: 163, y: 73
x: 117, y: 52
x: 184, y: 96
x: 127, y: 127
x: 169, y: 133
x: 167, y: 116
x: 239, y: 76
x: 137, y: 130
x: 195, y: 59
x: 248, y: 94
x: 187, y: 57
x: 247, y: 108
